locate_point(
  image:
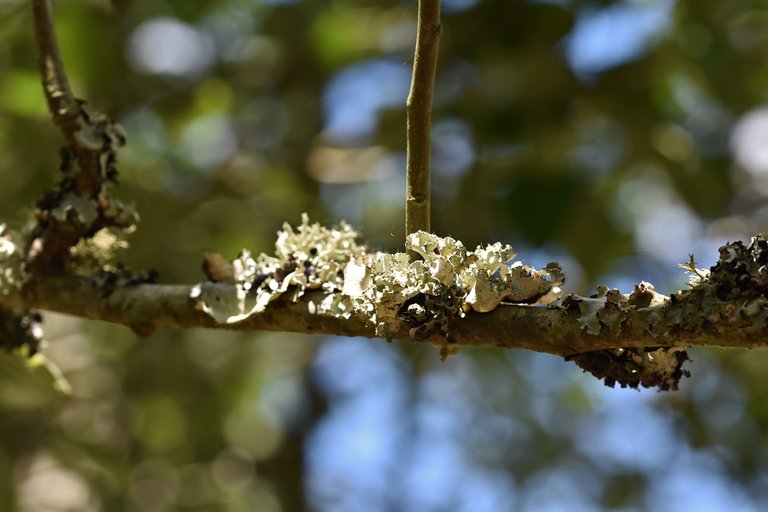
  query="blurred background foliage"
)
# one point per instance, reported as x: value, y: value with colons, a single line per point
x: 613, y: 136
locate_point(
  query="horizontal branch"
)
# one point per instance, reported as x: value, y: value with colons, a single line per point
x: 322, y: 282
x: 555, y: 330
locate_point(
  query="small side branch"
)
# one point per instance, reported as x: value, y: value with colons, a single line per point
x: 61, y: 102
x: 419, y: 111
x: 79, y: 205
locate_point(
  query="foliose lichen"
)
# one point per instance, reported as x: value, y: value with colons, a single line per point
x: 727, y: 300
x: 659, y: 367
x: 388, y: 290
x: 19, y: 330
x: 446, y: 283
x: 11, y: 262
x: 730, y: 298
x: 80, y: 205
x: 310, y: 257
x: 428, y: 293
x: 608, y: 311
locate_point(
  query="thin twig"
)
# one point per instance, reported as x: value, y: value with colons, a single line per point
x: 61, y: 102
x: 79, y: 205
x: 419, y: 110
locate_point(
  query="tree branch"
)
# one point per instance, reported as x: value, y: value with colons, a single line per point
x: 61, y: 102
x: 554, y: 330
x: 419, y: 111
x: 79, y: 205
x: 320, y: 281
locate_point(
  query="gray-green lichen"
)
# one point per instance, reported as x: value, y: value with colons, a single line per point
x: 659, y: 367
x: 387, y: 290
x: 11, y: 262
x: 97, y: 132
x: 97, y: 253
x: 310, y: 257
x: 446, y: 283
x: 609, y: 310
x: 80, y: 204
x: 19, y: 330
x: 730, y: 298
x: 428, y: 293
x: 727, y: 300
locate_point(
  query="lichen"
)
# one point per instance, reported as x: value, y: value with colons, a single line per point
x: 609, y: 310
x: 430, y: 293
x: 659, y: 367
x: 76, y: 208
x: 436, y: 281
x: 310, y: 257
x: 96, y: 132
x: 610, y: 313
x: 11, y: 262
x: 95, y: 258
x: 390, y: 291
x: 97, y: 253
x: 730, y: 298
x: 80, y: 205
x: 19, y: 330
x: 727, y: 300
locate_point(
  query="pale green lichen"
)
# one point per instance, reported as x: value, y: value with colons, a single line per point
x: 387, y: 290
x: 659, y: 367
x: 695, y: 275
x: 608, y: 310
x: 426, y: 294
x: 729, y: 297
x: 11, y: 262
x: 310, y: 257
x: 83, y: 210
x: 97, y: 253
x: 727, y: 300
x: 449, y: 281
x: 97, y: 132
x: 20, y: 330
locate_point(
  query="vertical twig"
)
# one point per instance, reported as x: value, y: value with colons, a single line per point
x: 61, y: 102
x: 419, y: 111
x: 79, y: 205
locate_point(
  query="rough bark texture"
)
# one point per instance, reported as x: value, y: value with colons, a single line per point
x: 554, y: 330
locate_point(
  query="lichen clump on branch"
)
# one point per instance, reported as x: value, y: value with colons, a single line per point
x: 387, y: 290
x: 19, y: 330
x: 727, y: 300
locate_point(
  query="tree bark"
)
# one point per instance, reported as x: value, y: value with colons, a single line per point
x: 554, y: 330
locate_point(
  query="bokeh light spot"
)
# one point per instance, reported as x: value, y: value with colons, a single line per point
x: 166, y: 46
